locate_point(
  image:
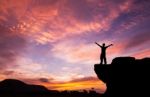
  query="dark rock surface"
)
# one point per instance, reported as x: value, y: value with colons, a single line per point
x: 125, y: 76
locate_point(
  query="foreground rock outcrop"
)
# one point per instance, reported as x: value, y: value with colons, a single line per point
x: 125, y: 76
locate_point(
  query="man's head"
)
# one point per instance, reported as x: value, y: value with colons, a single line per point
x: 103, y: 44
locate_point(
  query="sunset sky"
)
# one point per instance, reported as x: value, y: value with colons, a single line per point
x: 51, y: 42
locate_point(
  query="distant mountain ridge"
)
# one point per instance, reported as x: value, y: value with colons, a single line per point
x: 16, y: 86
x: 125, y: 76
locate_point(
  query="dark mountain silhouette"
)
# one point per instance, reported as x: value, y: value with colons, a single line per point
x: 16, y: 88
x: 13, y: 86
x: 125, y: 76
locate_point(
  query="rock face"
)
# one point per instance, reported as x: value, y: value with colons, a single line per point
x: 125, y: 76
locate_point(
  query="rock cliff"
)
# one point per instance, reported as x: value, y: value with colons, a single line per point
x: 125, y: 76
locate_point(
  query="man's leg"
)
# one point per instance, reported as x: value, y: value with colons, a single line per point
x: 101, y: 58
x: 105, y: 60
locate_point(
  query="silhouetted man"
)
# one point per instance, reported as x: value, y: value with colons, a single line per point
x: 103, y: 52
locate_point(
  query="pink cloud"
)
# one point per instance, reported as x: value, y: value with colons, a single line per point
x: 11, y: 48
x: 44, y: 21
x: 142, y: 54
x: 85, y: 53
x: 75, y: 53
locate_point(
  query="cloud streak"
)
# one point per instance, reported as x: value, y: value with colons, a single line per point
x: 46, y: 20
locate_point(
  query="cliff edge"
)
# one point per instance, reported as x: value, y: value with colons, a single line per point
x: 125, y: 76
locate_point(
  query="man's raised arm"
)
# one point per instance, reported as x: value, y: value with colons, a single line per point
x: 98, y: 44
x: 109, y: 45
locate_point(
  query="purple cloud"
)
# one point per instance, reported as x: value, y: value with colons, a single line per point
x: 11, y: 45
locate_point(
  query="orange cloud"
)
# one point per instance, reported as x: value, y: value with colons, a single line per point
x: 78, y: 84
